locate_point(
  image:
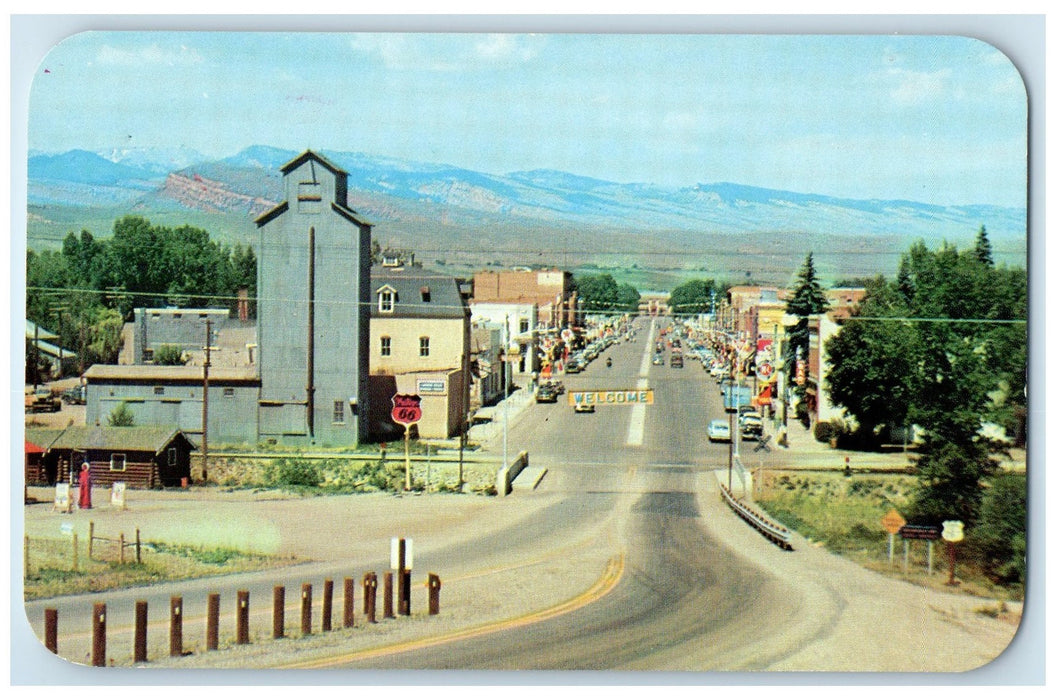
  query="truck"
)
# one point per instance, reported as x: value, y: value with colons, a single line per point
x: 733, y: 397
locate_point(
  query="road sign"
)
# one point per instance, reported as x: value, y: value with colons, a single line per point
x: 626, y: 397
x: 952, y: 530
x: 406, y: 408
x: 764, y: 370
x: 919, y: 532
x: 893, y: 521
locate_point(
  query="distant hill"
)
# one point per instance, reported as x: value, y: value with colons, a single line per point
x: 540, y: 213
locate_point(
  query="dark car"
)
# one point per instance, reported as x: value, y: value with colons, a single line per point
x: 546, y: 394
x: 74, y: 395
x: 676, y: 359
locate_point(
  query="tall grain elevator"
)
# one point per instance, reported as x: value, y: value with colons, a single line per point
x: 313, y: 315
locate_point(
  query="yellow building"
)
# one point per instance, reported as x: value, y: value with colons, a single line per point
x: 419, y: 345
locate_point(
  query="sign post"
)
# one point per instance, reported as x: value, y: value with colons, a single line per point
x: 892, y: 522
x: 952, y: 532
x: 406, y: 410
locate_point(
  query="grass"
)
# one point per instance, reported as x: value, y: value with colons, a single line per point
x: 843, y: 514
x: 50, y: 566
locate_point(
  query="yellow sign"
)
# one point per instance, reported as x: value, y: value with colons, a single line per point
x: 611, y: 397
x: 893, y: 521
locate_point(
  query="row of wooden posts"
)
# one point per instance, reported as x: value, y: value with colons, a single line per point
x: 212, y: 627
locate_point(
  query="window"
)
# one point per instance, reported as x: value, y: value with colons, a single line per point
x: 524, y: 325
x: 309, y: 198
x: 386, y: 346
x: 159, y: 391
x: 339, y: 411
x: 427, y: 295
x: 172, y: 456
x: 423, y: 346
x: 229, y: 392
x: 117, y: 462
x: 386, y: 299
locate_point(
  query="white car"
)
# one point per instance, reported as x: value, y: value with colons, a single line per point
x: 719, y: 431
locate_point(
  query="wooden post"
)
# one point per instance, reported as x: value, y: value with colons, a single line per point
x: 212, y: 622
x: 121, y: 548
x: 328, y: 604
x: 370, y: 596
x: 306, y: 609
x: 99, y: 634
x: 51, y: 630
x: 139, y: 557
x: 387, y: 600
x: 139, y: 644
x: 91, y: 537
x: 434, y: 594
x: 350, y: 603
x: 278, y: 612
x: 176, y: 626
x: 242, y: 623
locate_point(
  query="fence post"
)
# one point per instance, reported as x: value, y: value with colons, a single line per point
x: 328, y: 604
x: 99, y: 634
x: 91, y: 537
x: 306, y: 609
x: 242, y: 626
x: 139, y: 559
x: 388, y: 596
x: 121, y: 548
x: 350, y: 602
x: 434, y: 594
x: 370, y: 596
x: 278, y: 612
x: 51, y: 630
x: 212, y: 622
x: 176, y: 626
x: 139, y: 644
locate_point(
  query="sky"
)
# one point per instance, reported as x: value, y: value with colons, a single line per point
x: 927, y: 118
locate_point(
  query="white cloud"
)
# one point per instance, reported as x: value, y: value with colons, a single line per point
x: 152, y: 55
x: 915, y: 87
x: 444, y: 52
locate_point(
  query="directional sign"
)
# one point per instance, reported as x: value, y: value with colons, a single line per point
x: 406, y: 408
x: 893, y: 521
x: 919, y: 532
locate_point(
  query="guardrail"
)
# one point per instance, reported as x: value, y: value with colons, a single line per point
x: 771, y: 530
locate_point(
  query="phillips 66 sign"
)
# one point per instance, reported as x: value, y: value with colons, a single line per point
x: 406, y: 408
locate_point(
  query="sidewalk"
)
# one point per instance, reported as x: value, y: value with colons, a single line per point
x: 803, y: 451
x: 486, y: 434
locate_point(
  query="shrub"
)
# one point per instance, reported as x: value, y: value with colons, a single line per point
x: 823, y: 431
x: 168, y: 355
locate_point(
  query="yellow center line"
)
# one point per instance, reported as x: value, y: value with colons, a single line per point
x: 608, y: 580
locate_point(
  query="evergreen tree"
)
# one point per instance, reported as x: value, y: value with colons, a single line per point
x: 983, y: 252
x: 121, y: 417
x: 808, y: 299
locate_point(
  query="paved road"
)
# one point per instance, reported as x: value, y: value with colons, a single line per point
x: 695, y: 588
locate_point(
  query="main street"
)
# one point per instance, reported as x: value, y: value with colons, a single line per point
x: 688, y: 586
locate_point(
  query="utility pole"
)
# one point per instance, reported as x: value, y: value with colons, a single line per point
x: 205, y: 400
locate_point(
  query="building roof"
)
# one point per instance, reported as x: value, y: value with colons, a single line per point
x: 149, y: 438
x: 35, y: 331
x: 419, y: 293
x: 169, y: 373
x: 42, y: 437
x: 310, y: 154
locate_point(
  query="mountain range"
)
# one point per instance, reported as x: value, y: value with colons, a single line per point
x: 436, y: 207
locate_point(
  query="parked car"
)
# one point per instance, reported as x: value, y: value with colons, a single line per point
x: 658, y: 359
x: 676, y: 359
x: 719, y: 431
x: 584, y: 408
x: 43, y: 401
x: 751, y: 424
x: 75, y: 395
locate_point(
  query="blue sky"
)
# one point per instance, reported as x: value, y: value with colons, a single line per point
x: 939, y: 119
